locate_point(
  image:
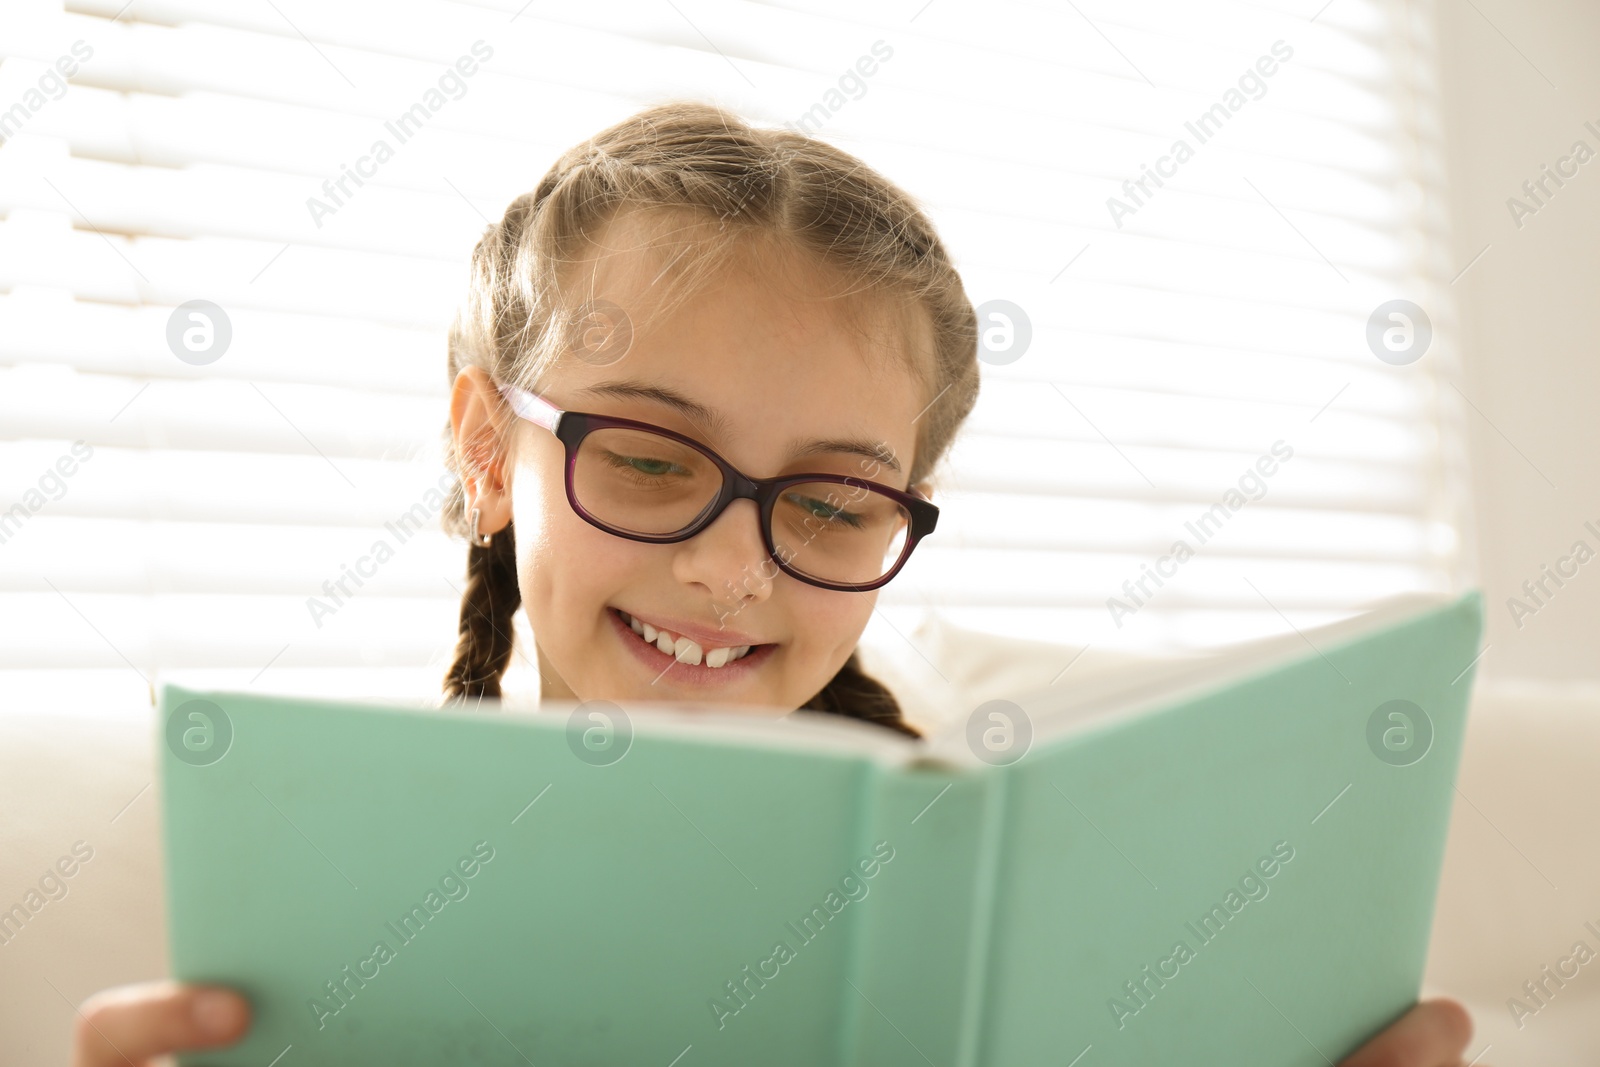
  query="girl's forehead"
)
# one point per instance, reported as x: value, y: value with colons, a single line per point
x: 685, y: 273
x: 768, y: 344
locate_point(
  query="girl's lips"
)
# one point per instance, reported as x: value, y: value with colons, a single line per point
x: 659, y: 663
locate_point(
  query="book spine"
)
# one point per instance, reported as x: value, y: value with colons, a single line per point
x: 917, y: 969
x: 982, y: 918
x: 868, y: 800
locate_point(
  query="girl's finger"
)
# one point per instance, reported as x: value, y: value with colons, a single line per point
x: 1432, y: 1034
x: 132, y: 1024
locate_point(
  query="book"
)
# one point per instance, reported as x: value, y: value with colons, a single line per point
x: 1231, y: 859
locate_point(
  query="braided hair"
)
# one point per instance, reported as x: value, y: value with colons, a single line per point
x: 488, y: 605
x: 855, y: 693
x: 736, y: 182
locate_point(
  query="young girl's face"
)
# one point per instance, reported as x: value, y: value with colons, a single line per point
x: 759, y: 366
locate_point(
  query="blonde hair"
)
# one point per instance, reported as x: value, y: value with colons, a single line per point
x: 725, y: 185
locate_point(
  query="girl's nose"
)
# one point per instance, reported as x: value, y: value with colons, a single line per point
x: 728, y: 557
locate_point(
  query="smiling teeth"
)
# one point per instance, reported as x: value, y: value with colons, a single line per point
x: 684, y: 649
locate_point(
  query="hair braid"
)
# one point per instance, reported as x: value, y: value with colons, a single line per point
x: 857, y: 695
x: 487, y: 607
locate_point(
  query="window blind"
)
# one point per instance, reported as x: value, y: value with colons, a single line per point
x: 1160, y: 321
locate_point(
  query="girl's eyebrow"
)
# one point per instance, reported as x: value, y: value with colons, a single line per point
x: 715, y: 425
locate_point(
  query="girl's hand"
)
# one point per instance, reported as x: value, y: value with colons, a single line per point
x: 1432, y: 1034
x: 132, y: 1025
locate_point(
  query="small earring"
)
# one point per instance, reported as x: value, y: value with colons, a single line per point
x: 481, y: 540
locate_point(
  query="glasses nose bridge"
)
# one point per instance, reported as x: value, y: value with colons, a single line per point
x: 739, y: 486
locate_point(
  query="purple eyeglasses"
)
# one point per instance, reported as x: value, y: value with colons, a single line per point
x: 648, y: 483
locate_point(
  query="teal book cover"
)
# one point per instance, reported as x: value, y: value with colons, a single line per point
x: 1231, y: 861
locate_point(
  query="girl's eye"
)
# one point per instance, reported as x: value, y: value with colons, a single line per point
x: 644, y: 465
x: 823, y: 510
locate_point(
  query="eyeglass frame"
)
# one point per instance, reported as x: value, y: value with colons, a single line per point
x: 571, y: 427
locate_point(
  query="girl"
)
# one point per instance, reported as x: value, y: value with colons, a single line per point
x: 764, y: 350
x: 762, y: 294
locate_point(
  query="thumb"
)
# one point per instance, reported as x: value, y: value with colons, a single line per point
x: 126, y: 1026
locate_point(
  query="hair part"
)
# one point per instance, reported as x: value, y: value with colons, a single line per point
x: 709, y: 189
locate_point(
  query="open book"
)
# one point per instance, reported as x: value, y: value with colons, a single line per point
x: 1232, y: 861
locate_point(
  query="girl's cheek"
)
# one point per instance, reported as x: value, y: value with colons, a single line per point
x: 827, y: 624
x: 558, y: 540
x: 574, y: 561
x: 560, y: 560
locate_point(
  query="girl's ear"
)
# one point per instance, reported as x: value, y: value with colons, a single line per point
x: 924, y: 489
x: 475, y: 422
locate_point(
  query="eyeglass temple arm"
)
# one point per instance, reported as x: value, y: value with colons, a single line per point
x: 531, y: 406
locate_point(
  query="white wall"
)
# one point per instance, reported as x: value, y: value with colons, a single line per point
x: 1519, y: 82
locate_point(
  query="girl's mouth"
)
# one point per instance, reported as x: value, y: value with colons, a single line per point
x: 684, y: 658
